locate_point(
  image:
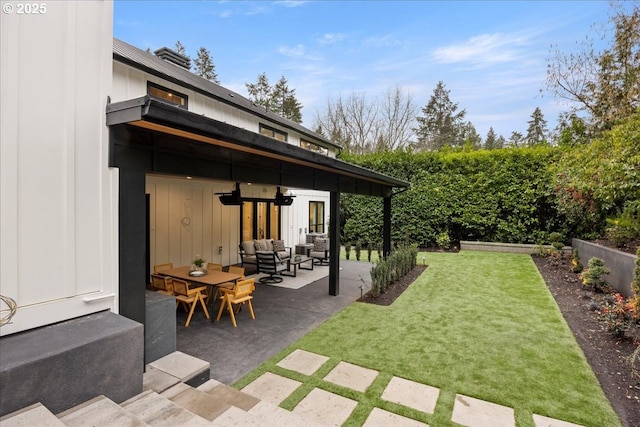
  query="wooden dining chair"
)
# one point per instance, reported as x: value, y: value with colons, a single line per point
x: 189, y: 298
x: 234, y: 269
x: 214, y: 266
x: 162, y: 284
x: 161, y: 267
x: 239, y: 295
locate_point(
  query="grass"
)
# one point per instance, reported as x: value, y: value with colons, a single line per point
x: 480, y: 324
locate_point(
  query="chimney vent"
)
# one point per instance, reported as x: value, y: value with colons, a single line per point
x: 173, y: 57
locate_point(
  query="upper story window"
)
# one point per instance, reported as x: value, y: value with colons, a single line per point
x: 313, y: 147
x: 273, y: 133
x: 168, y: 95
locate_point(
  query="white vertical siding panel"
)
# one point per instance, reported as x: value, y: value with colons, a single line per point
x: 175, y: 213
x: 198, y: 238
x: 209, y: 249
x: 162, y: 230
x: 57, y: 207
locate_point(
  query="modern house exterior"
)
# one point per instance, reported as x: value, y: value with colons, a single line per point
x: 110, y: 161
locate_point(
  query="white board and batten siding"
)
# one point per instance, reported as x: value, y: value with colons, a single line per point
x: 295, y: 219
x: 130, y: 83
x: 58, y: 198
x: 187, y: 219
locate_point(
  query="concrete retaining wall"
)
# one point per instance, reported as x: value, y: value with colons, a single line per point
x: 620, y: 263
x: 68, y: 363
x: 517, y: 248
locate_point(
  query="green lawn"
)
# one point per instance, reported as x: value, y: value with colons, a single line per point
x: 480, y: 324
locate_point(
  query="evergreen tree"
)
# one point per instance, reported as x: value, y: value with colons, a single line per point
x: 516, y: 139
x: 491, y: 140
x: 442, y: 123
x: 537, y: 130
x: 203, y: 66
x: 278, y: 98
x: 180, y: 48
x: 501, y: 142
x: 470, y: 137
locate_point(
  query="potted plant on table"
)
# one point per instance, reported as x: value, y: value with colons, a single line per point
x: 198, y: 263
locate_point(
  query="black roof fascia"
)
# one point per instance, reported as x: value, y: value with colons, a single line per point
x: 161, y: 113
x: 144, y: 61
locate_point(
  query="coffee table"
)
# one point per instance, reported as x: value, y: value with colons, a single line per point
x: 297, y: 263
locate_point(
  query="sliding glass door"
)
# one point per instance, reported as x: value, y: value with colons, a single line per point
x: 260, y: 220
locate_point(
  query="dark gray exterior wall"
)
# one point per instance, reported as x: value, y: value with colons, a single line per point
x: 620, y: 263
x: 65, y: 364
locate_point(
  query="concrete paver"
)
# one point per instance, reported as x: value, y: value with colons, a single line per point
x: 302, y: 361
x: 351, y: 376
x: 180, y: 365
x: 541, y: 421
x: 412, y: 394
x: 380, y: 417
x: 322, y: 407
x: 472, y: 412
x: 271, y: 388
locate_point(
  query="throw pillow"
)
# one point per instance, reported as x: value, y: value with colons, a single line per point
x: 318, y: 244
x: 260, y: 245
x: 249, y: 248
x: 278, y: 245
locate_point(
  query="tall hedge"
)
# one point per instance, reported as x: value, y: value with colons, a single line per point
x: 499, y: 195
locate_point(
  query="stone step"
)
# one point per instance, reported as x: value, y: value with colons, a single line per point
x: 99, y: 412
x: 230, y: 395
x: 196, y: 401
x: 34, y: 415
x: 158, y: 411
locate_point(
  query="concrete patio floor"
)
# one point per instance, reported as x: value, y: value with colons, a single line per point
x: 282, y: 316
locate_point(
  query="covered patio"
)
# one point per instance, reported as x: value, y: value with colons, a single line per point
x: 282, y: 316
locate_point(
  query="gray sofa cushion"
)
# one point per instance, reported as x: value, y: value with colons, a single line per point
x: 249, y: 248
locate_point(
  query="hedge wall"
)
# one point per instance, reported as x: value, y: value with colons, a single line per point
x: 499, y: 195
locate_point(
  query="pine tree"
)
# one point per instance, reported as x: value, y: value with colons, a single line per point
x: 490, y: 140
x: 180, y: 48
x: 203, y: 66
x: 278, y: 99
x: 442, y: 124
x: 470, y: 137
x: 537, y: 130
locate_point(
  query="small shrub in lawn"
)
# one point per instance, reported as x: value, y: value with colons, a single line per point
x: 358, y: 250
x: 618, y: 315
x: 369, y: 251
x: 397, y: 264
x: 592, y: 276
x: 347, y: 250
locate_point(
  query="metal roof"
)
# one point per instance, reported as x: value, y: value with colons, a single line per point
x: 145, y: 61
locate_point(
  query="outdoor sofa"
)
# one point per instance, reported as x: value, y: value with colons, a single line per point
x: 248, y: 250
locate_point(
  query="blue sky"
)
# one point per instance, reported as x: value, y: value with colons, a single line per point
x: 492, y: 56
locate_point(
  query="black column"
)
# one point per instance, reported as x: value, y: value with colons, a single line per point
x: 132, y: 244
x: 334, y: 242
x: 386, y: 227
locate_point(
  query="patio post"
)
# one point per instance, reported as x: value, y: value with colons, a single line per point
x: 334, y: 243
x: 386, y: 226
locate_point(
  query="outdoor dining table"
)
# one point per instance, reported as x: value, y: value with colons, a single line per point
x: 211, y: 279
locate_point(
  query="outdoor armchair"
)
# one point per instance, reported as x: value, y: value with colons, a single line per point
x: 320, y: 251
x: 269, y: 263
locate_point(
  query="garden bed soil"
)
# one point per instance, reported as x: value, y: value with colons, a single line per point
x: 608, y: 355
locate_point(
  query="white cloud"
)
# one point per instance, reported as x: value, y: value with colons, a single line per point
x: 330, y: 38
x: 482, y: 50
x: 297, y: 51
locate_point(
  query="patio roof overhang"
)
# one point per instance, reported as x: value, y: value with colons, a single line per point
x: 158, y: 137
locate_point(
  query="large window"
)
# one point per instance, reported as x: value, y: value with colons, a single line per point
x: 260, y: 220
x: 316, y: 217
x: 273, y: 133
x: 168, y: 95
x: 313, y: 147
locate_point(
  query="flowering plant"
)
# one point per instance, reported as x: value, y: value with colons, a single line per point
x: 618, y: 314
